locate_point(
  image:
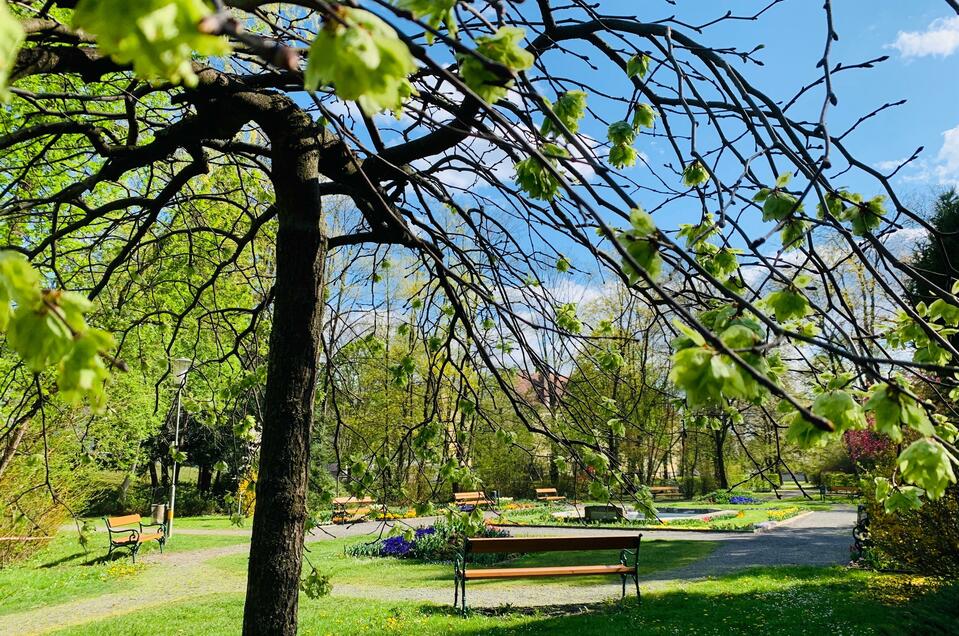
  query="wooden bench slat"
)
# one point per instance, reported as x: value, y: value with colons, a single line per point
x: 126, y: 520
x: 551, y: 544
x: 567, y: 570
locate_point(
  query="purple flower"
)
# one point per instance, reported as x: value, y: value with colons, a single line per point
x: 395, y: 546
x: 424, y: 532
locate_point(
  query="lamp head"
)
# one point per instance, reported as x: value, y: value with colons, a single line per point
x: 181, y: 367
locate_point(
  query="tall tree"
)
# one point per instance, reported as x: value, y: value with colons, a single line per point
x: 500, y: 166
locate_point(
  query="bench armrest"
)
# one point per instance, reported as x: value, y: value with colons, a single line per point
x: 133, y: 532
x: 161, y: 526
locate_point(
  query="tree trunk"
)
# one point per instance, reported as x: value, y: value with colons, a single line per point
x: 204, y: 479
x: 720, y: 439
x: 154, y: 478
x: 276, y: 550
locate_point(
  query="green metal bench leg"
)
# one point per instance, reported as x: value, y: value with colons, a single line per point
x: 639, y: 595
x: 464, y: 596
x: 623, y: 577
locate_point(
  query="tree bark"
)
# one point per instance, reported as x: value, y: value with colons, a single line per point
x: 719, y: 437
x: 276, y: 550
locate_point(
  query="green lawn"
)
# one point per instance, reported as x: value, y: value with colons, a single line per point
x: 329, y: 558
x: 750, y: 515
x: 797, y: 601
x: 63, y: 571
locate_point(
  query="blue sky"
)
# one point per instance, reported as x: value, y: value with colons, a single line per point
x: 793, y: 33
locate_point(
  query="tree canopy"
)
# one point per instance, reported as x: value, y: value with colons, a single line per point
x: 202, y: 176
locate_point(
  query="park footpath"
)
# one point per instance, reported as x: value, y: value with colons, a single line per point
x: 820, y: 538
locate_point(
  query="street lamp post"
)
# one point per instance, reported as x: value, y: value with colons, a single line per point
x: 181, y: 368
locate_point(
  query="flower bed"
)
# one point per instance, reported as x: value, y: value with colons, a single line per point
x: 439, y: 543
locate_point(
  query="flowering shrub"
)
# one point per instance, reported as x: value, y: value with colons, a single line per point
x: 725, y: 496
x: 438, y: 543
x: 864, y: 444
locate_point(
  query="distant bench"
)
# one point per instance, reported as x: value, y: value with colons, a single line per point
x: 628, y: 565
x: 351, y: 509
x: 548, y: 494
x: 665, y: 492
x: 123, y: 536
x: 474, y: 498
x: 852, y: 491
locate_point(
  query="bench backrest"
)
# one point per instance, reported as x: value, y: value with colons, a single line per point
x: 546, y: 491
x: 552, y: 544
x: 469, y: 496
x: 664, y: 488
x: 126, y: 520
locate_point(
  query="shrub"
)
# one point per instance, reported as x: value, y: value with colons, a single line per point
x: 924, y: 540
x: 725, y: 496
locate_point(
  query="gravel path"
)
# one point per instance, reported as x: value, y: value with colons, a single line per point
x: 820, y: 538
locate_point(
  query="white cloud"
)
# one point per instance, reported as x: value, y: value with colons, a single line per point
x: 947, y: 166
x: 940, y: 38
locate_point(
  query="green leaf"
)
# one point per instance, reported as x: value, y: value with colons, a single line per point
x: 316, y: 585
x: 926, y: 464
x: 83, y: 372
x: 221, y: 466
x: 893, y: 408
x: 569, y: 109
x: 159, y: 37
x: 783, y: 180
x: 841, y: 409
x: 866, y: 217
x: 638, y: 66
x: 598, y: 491
x: 562, y: 265
x: 535, y: 178
x: 566, y: 318
x: 805, y: 434
x: 40, y: 338
x: 788, y: 304
x: 792, y: 233
x: 364, y: 60
x: 503, y: 47
x: 777, y: 205
x: 11, y: 37
x: 436, y: 12
x: 695, y: 174
x: 617, y: 426
x: 623, y: 156
x: 620, y: 133
x: 644, y: 116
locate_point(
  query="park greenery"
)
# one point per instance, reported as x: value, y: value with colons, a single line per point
x: 409, y: 249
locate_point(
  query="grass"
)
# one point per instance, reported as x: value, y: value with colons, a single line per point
x: 63, y: 571
x: 761, y: 601
x: 329, y: 558
x: 748, y: 518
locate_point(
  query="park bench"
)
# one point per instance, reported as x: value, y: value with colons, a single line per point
x: 852, y: 491
x: 548, y: 494
x: 628, y: 545
x: 351, y: 509
x: 123, y: 536
x: 665, y: 492
x: 474, y: 498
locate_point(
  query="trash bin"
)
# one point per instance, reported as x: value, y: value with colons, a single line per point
x: 158, y: 512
